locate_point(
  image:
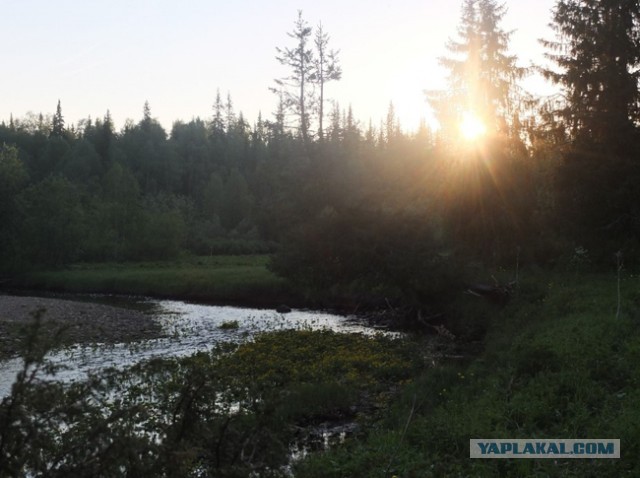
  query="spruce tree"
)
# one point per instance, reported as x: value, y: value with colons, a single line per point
x: 597, y: 53
x: 482, y: 73
x: 57, y: 128
x: 327, y: 68
x: 597, y: 60
x: 217, y: 123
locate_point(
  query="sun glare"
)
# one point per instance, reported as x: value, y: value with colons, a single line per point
x: 471, y: 127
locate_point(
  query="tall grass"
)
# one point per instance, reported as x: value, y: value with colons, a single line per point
x: 229, y: 279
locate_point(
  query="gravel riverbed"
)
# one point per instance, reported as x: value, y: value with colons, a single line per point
x: 73, y: 322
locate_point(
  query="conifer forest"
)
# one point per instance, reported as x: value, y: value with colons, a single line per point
x: 497, y: 248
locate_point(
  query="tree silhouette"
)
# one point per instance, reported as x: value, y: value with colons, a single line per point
x: 597, y: 52
x: 295, y: 88
x: 327, y: 68
x: 57, y: 129
x: 482, y: 74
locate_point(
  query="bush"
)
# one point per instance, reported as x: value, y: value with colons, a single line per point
x: 394, y: 255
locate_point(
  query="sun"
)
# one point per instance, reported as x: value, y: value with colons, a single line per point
x: 472, y: 127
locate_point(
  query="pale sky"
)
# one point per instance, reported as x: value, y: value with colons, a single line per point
x: 116, y: 54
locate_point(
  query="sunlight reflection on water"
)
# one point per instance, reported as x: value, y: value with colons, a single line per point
x: 188, y: 328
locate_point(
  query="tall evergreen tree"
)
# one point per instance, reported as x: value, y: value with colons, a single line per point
x: 482, y: 74
x: 57, y: 129
x: 296, y: 88
x: 230, y: 114
x: 104, y: 139
x: 217, y: 124
x: 327, y: 68
x: 597, y: 57
x: 146, y: 114
x: 597, y: 51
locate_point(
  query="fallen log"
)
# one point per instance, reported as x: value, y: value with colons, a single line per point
x: 497, y: 293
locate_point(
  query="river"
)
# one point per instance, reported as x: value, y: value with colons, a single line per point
x: 187, y: 328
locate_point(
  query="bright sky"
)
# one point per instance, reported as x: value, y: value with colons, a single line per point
x: 116, y: 54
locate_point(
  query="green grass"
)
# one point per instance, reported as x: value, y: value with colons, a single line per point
x: 229, y: 279
x: 557, y: 364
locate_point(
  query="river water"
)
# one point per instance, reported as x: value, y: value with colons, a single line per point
x: 187, y: 328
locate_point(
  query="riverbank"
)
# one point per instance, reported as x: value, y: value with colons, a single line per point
x: 558, y: 362
x: 66, y: 322
x: 240, y: 281
x: 225, y: 280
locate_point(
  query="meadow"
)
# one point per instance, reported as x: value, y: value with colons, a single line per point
x: 238, y: 280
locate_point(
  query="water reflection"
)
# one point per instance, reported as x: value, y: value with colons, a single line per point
x: 187, y: 328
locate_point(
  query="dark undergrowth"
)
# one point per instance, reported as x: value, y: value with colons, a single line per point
x: 557, y: 363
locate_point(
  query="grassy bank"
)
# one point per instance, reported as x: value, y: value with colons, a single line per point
x: 226, y: 279
x: 557, y: 363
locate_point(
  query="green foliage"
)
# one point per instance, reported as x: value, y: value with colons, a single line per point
x: 212, y: 196
x: 13, y: 174
x: 81, y: 163
x: 13, y: 178
x: 232, y: 412
x: 243, y: 279
x: 115, y: 217
x: 596, y: 52
x: 607, y: 221
x: 395, y: 255
x: 596, y: 57
x: 557, y: 364
x: 52, y: 222
x: 163, y: 228
x: 229, y: 325
x: 235, y: 202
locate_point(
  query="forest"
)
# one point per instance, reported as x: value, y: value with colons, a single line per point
x: 366, y: 213
x: 546, y: 177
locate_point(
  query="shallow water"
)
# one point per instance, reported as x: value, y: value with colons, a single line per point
x: 189, y: 328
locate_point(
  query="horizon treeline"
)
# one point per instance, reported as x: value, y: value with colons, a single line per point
x: 92, y: 193
x: 347, y: 205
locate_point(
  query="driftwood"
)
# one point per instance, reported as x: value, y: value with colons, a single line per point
x: 439, y: 329
x: 496, y: 293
